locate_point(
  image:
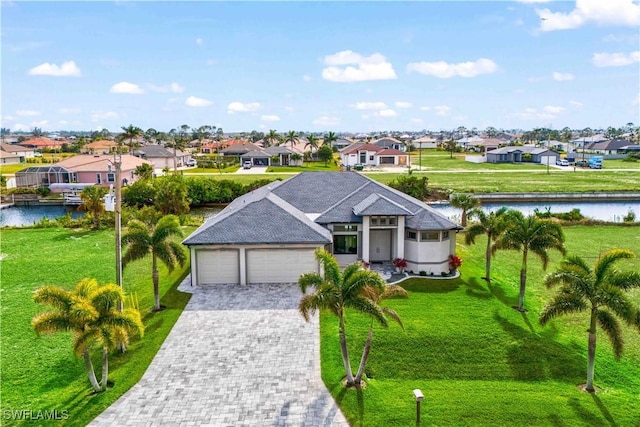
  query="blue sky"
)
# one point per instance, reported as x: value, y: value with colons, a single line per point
x: 320, y: 66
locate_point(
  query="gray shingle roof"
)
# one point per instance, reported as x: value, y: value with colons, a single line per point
x: 375, y: 204
x: 157, y: 151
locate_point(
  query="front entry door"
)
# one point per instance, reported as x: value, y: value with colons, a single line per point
x: 380, y: 245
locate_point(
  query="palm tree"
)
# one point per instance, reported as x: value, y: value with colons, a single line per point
x: 451, y: 146
x: 131, y: 133
x: 338, y: 291
x: 142, y: 240
x: 272, y: 138
x: 601, y: 292
x: 93, y: 202
x: 90, y: 313
x: 178, y: 140
x: 329, y: 139
x: 492, y: 225
x: 312, y: 141
x: 377, y: 296
x: 466, y: 202
x: 527, y: 234
x: 291, y: 137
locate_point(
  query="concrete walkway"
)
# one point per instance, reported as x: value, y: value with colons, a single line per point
x: 238, y: 356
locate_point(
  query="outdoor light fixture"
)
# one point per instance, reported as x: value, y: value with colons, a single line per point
x: 419, y: 398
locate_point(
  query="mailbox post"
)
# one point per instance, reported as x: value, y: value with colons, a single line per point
x: 419, y: 398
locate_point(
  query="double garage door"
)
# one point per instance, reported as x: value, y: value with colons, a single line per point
x: 262, y: 265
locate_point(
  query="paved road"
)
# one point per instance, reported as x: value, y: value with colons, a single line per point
x: 238, y: 356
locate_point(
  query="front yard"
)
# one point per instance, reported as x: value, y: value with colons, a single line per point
x: 478, y: 361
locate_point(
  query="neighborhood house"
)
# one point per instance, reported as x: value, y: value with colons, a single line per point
x: 270, y: 234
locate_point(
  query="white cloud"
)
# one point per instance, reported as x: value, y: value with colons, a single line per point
x: 636, y: 101
x: 199, y: 41
x: 533, y: 1
x: 40, y: 124
x: 67, y: 69
x: 269, y: 118
x: 6, y: 119
x: 562, y: 77
x: 19, y: 127
x: 68, y: 111
x: 548, y: 112
x: 194, y: 101
x: 126, y: 87
x: 63, y: 123
x: 445, y: 70
x: 103, y: 115
x: 385, y: 113
x: 417, y: 121
x: 442, y: 110
x: 425, y: 108
x: 370, y: 105
x: 576, y: 104
x: 553, y: 109
x: 27, y: 113
x: 326, y: 121
x: 610, y: 12
x: 403, y: 104
x: 348, y: 66
x: 306, y: 78
x: 173, y: 88
x: 239, y: 107
x: 288, y: 109
x: 617, y: 59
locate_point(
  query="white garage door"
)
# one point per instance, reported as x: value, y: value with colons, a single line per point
x: 217, y: 266
x: 279, y: 265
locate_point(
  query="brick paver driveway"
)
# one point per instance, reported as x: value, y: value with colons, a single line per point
x: 238, y: 356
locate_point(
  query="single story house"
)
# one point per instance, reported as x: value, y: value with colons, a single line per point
x: 42, y: 144
x: 607, y: 147
x: 98, y: 169
x: 372, y: 155
x: 284, y: 155
x: 17, y: 150
x: 101, y: 146
x: 270, y: 234
x: 239, y: 148
x: 523, y: 153
x: 341, y: 143
x: 426, y: 141
x: 257, y: 158
x: 7, y: 158
x: 388, y: 142
x: 161, y: 157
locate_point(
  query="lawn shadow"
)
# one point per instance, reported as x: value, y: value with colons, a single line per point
x: 537, y: 357
x: 497, y: 291
x: 603, y: 409
x: 72, y: 234
x: 434, y: 286
x: 477, y: 289
x: 588, y: 416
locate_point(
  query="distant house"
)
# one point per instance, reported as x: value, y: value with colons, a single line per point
x: 518, y: 154
x: 425, y: 142
x: 270, y: 234
x: 388, y: 142
x: 257, y: 158
x: 18, y: 150
x: 373, y: 155
x: 608, y: 146
x: 162, y: 157
x: 42, y: 144
x: 485, y: 145
x: 101, y: 146
x: 341, y: 143
x: 239, y: 148
x: 84, y: 168
x: 7, y: 158
x: 284, y: 155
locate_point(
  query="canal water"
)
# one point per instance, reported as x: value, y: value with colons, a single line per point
x: 603, y: 211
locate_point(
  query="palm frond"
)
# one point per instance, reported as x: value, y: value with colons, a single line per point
x: 329, y: 265
x: 474, y: 230
x: 106, y: 297
x: 368, y: 308
x: 360, y: 279
x: 83, y: 340
x: 392, y: 314
x: 611, y: 328
x: 53, y: 296
x: 50, y: 322
x: 309, y: 280
x: 625, y: 280
x: 616, y: 301
x: 85, y: 287
x: 561, y: 304
x: 608, y: 259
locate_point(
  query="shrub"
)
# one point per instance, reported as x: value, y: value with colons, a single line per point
x: 454, y: 262
x: 400, y: 263
x: 629, y: 217
x: 424, y: 273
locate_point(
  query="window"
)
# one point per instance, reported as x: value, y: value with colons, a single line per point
x: 374, y: 220
x: 383, y: 220
x: 445, y: 235
x: 133, y: 175
x: 392, y: 220
x: 429, y: 235
x: 371, y: 158
x: 98, y: 178
x: 345, y: 244
x: 411, y: 235
x: 345, y: 228
x: 111, y: 177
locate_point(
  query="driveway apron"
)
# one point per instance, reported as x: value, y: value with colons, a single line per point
x: 238, y: 356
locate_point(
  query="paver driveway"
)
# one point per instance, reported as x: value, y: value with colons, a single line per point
x: 238, y: 356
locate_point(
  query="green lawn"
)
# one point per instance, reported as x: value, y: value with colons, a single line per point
x: 307, y: 167
x: 478, y: 361
x: 41, y: 373
x: 441, y: 160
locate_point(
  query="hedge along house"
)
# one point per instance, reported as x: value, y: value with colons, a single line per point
x: 270, y: 234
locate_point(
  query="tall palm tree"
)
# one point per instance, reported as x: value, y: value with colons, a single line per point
x: 530, y: 234
x: 90, y: 313
x: 93, y: 202
x: 312, y: 142
x: 493, y: 225
x: 142, y: 240
x: 377, y: 295
x: 466, y: 202
x: 291, y: 137
x: 338, y: 291
x: 329, y: 139
x: 272, y: 138
x: 131, y: 133
x: 178, y: 140
x: 601, y: 292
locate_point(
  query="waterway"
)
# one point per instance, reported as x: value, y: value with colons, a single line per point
x: 17, y: 216
x: 603, y: 211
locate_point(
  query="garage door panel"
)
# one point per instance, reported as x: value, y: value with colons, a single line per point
x: 218, y: 267
x: 279, y: 265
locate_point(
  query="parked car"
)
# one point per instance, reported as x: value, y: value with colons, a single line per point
x: 247, y: 165
x: 562, y: 162
x: 191, y: 163
x: 581, y: 163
